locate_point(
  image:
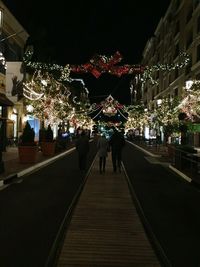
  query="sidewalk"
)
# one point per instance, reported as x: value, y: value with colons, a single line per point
x: 14, y: 168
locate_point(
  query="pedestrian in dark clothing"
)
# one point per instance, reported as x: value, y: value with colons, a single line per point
x: 102, y: 146
x: 82, y: 146
x: 116, y: 143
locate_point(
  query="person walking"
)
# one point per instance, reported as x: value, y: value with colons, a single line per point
x: 103, y: 147
x: 116, y: 143
x: 82, y: 147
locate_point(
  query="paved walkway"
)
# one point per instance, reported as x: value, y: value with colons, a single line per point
x: 105, y: 229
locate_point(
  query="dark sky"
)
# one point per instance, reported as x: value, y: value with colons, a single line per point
x: 73, y: 31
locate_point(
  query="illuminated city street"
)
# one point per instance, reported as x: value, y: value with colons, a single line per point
x: 99, y: 133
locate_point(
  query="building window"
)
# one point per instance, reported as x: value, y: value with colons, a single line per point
x: 189, y: 39
x: 196, y: 2
x: 171, y: 78
x: 177, y: 28
x: 189, y: 14
x: 198, y: 77
x: 176, y: 52
x: 188, y: 67
x: 176, y: 92
x: 177, y: 4
x: 198, y: 53
x: 176, y: 74
x: 198, y: 24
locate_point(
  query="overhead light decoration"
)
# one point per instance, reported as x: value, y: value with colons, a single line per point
x: 109, y: 106
x: 64, y: 71
x: 109, y: 111
x: 183, y: 61
x: 100, y: 64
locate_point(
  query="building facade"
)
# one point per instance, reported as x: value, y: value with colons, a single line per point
x: 177, y: 32
x: 13, y: 38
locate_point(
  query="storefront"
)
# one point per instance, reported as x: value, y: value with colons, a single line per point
x: 4, y: 104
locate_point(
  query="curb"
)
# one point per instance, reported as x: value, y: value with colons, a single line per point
x: 182, y: 175
x: 144, y: 150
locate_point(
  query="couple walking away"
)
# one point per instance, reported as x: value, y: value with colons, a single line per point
x: 116, y: 144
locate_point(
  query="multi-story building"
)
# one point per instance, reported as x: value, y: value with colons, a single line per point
x: 13, y: 38
x: 178, y: 31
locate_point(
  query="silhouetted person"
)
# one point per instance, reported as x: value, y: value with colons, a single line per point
x: 102, y: 146
x: 116, y: 143
x: 82, y: 146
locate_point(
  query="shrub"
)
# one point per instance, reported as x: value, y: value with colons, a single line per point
x: 28, y: 135
x: 49, y: 134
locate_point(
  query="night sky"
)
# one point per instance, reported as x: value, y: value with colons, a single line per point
x: 74, y: 31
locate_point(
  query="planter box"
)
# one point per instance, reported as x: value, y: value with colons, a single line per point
x: 27, y: 154
x: 48, y: 148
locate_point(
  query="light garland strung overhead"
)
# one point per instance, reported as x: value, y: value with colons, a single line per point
x: 100, y: 64
x: 149, y: 70
x: 64, y: 71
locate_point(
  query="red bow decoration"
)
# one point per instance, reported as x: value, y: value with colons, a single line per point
x: 100, y: 64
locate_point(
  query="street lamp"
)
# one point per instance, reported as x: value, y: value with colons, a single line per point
x: 188, y: 84
x: 1, y: 20
x: 159, y: 102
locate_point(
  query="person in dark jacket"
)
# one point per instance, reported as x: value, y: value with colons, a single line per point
x: 102, y: 146
x: 82, y: 147
x: 116, y: 143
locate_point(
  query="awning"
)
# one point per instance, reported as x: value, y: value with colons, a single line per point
x: 4, y: 101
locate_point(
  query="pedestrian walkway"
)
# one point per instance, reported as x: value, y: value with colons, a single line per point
x: 105, y: 229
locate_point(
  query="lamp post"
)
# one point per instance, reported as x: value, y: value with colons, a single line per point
x: 1, y: 20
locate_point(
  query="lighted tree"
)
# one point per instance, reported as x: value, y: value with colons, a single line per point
x: 166, y: 116
x: 47, y: 98
x: 138, y: 117
x: 190, y: 105
x: 80, y: 119
x: 167, y: 112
